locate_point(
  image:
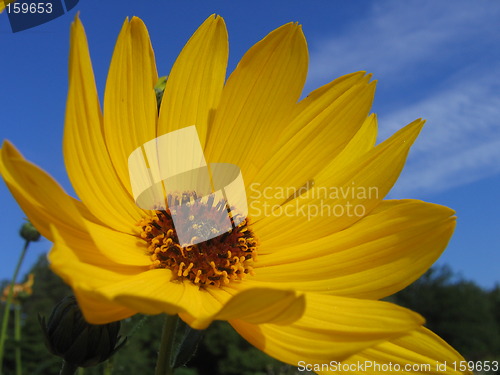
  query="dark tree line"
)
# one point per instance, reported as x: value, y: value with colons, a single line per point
x: 462, y: 313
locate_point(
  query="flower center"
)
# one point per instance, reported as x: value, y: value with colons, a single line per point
x: 217, y: 261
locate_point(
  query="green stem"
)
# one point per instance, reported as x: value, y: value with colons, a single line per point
x: 108, y: 369
x: 164, y: 365
x: 5, y: 319
x: 68, y: 368
x: 137, y: 326
x: 17, y: 338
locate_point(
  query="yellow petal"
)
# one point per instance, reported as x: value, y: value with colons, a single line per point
x: 342, y: 193
x: 139, y: 289
x: 419, y: 352
x: 78, y: 261
x: 75, y: 258
x: 39, y: 196
x: 257, y: 306
x: 130, y: 110
x: 98, y: 310
x: 119, y: 247
x: 84, y: 278
x: 317, y: 107
x: 4, y: 3
x: 374, y: 258
x: 362, y: 142
x: 195, y: 83
x: 154, y: 292
x: 285, y: 175
x: 263, y: 89
x: 87, y: 160
x: 332, y: 328
x: 327, y: 123
x: 390, y: 153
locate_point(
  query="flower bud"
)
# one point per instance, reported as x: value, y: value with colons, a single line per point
x: 159, y: 89
x: 68, y: 335
x: 29, y: 232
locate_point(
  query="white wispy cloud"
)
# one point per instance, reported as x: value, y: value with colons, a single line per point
x: 437, y: 60
x: 461, y: 141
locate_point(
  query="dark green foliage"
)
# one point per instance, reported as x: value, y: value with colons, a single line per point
x: 138, y: 356
x: 459, y: 311
x: 224, y: 352
x: 48, y: 289
x: 495, y: 300
x: 186, y: 343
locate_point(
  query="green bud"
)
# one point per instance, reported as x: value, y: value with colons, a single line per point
x: 159, y: 89
x: 68, y: 335
x: 29, y: 232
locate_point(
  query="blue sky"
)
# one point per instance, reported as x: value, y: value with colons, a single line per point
x: 439, y: 60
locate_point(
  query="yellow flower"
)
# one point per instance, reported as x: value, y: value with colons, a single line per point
x: 301, y: 288
x: 20, y: 290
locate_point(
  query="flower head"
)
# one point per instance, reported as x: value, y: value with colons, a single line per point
x: 301, y: 276
x: 20, y: 290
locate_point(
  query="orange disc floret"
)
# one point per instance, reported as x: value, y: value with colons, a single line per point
x: 217, y: 261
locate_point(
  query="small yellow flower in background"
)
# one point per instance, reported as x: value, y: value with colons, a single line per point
x: 300, y: 288
x: 20, y: 290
